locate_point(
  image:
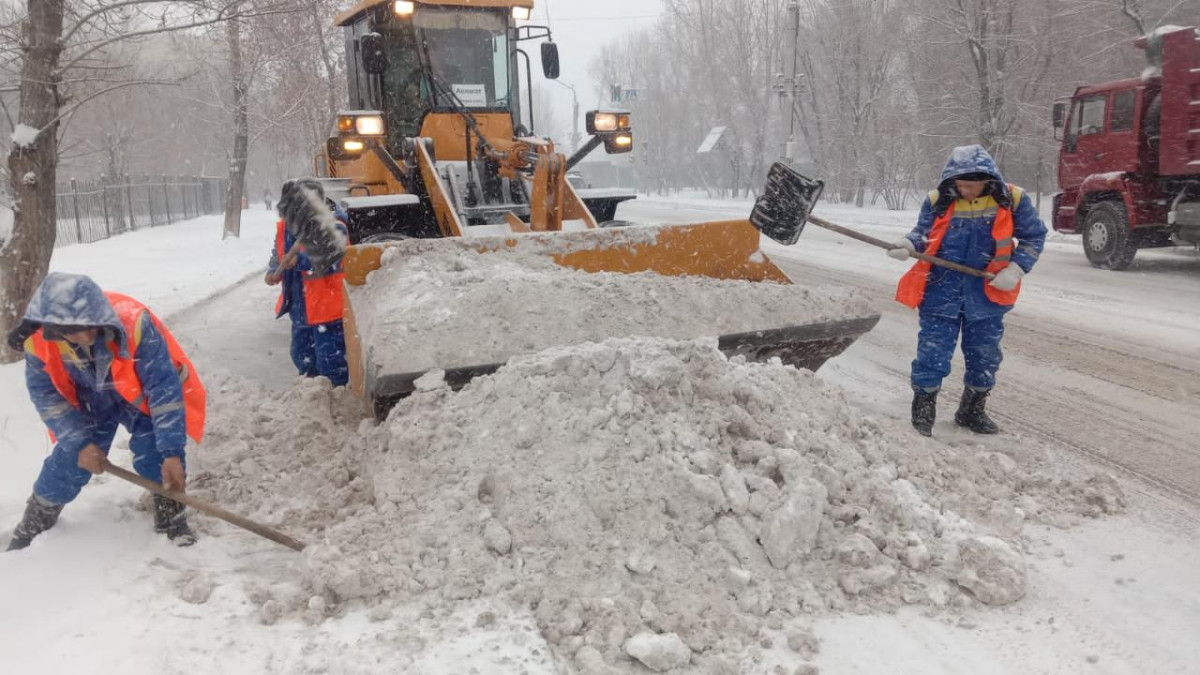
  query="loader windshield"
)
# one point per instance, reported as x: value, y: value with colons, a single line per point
x: 467, y: 50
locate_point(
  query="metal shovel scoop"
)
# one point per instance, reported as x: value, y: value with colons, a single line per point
x: 786, y: 205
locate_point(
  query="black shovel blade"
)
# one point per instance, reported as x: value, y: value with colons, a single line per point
x: 307, y: 216
x: 783, y: 208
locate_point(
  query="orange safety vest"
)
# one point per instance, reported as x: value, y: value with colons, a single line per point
x: 322, y: 295
x: 911, y: 289
x: 124, y: 373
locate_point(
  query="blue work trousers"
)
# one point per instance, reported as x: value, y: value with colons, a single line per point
x: 320, y: 351
x: 61, y: 478
x: 935, y: 349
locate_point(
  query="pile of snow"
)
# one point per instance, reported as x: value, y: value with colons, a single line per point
x: 451, y: 306
x: 649, y: 501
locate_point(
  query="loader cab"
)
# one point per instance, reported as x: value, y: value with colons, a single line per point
x: 410, y: 59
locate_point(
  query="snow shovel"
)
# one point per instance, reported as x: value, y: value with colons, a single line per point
x: 786, y: 205
x: 204, y: 507
x: 310, y: 220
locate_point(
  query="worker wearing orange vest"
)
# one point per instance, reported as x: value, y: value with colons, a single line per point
x: 976, y: 219
x: 311, y: 298
x: 95, y: 361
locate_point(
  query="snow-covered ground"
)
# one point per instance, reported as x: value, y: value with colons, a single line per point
x: 102, y: 593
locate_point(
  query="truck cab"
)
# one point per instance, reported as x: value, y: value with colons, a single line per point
x: 1129, y: 162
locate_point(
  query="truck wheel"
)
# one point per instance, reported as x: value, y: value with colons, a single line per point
x: 1106, y: 237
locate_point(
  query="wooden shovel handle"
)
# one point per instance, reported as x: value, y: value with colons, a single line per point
x: 205, y: 507
x: 821, y: 222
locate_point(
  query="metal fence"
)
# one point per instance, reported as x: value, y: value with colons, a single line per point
x: 95, y: 210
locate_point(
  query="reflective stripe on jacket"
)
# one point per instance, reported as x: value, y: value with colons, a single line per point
x: 124, y: 371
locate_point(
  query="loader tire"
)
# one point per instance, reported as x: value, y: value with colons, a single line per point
x: 1107, y: 241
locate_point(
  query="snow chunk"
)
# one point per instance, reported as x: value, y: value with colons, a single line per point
x: 991, y: 570
x: 658, y: 652
x: 25, y: 136
x: 791, y: 530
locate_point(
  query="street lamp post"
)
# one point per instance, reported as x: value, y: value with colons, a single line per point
x: 575, y: 135
x: 790, y: 84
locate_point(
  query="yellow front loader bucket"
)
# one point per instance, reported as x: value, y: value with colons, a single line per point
x: 718, y: 250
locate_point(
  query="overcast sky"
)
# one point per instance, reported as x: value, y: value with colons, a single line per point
x: 580, y: 28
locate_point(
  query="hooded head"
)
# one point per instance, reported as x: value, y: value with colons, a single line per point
x: 972, y: 162
x: 65, y: 304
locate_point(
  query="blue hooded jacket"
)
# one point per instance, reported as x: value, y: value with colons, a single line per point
x: 78, y: 302
x: 969, y: 239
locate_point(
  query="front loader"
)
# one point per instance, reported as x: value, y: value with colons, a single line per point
x: 434, y: 145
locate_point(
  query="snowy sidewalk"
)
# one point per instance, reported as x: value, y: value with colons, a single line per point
x: 173, y: 267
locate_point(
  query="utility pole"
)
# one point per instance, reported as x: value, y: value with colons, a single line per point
x: 576, y: 137
x: 788, y: 84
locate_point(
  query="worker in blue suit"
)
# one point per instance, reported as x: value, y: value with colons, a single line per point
x: 976, y: 219
x: 96, y: 360
x: 311, y: 298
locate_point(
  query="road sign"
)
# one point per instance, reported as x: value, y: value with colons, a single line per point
x: 711, y: 140
x: 620, y: 94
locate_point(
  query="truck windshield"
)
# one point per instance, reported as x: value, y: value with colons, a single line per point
x: 467, y: 50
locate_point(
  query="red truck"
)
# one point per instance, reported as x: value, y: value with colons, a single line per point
x: 1129, y: 163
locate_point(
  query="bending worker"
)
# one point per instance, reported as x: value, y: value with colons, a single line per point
x: 93, y: 361
x: 976, y: 219
x: 311, y: 298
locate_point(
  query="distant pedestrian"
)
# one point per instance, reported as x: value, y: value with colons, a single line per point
x: 972, y: 218
x: 311, y: 298
x: 96, y: 360
x: 267, y: 198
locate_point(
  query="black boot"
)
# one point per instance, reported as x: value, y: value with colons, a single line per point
x: 40, y: 515
x: 170, y: 519
x: 924, y: 411
x: 971, y: 413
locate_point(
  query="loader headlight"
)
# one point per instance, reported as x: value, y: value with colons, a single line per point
x: 344, y: 149
x: 405, y: 8
x: 615, y: 144
x: 607, y: 122
x: 521, y: 13
x: 369, y: 125
x: 361, y: 123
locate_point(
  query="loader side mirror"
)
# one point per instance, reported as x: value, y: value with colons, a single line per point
x: 550, y: 65
x: 370, y: 49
